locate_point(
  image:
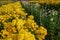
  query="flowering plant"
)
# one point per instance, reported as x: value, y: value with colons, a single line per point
x: 14, y: 25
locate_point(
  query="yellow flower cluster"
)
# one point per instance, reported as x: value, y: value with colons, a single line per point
x: 16, y: 26
x: 47, y: 1
x: 41, y: 32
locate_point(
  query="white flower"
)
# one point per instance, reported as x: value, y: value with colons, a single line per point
x: 51, y: 19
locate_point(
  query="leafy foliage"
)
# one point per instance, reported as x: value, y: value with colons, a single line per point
x: 48, y: 16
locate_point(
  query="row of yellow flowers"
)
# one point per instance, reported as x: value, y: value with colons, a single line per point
x: 17, y: 26
x: 47, y: 1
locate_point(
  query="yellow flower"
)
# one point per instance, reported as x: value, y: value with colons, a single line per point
x: 5, y: 33
x: 14, y: 22
x: 44, y: 31
x: 26, y: 35
x: 41, y: 37
x: 41, y: 32
x: 20, y: 36
x: 31, y: 17
x: 20, y: 23
x: 8, y: 38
